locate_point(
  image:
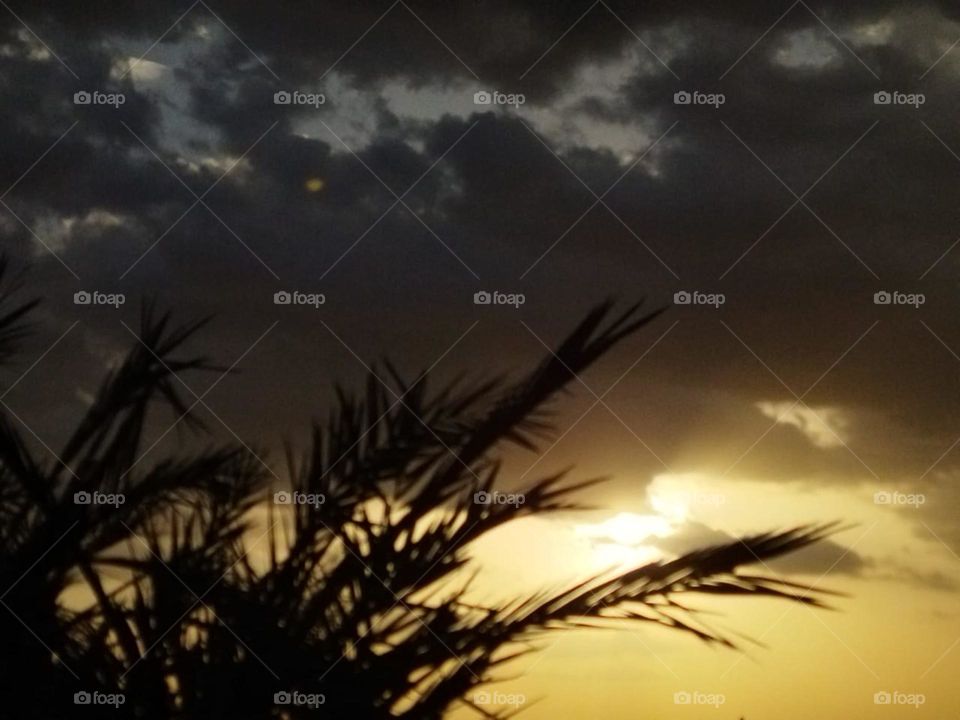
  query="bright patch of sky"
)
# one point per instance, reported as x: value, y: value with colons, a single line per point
x: 564, y: 121
x: 28, y: 46
x: 807, y: 49
x: 875, y: 33
x: 155, y: 75
x: 58, y: 231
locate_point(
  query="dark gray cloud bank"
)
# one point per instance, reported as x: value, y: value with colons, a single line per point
x: 506, y: 198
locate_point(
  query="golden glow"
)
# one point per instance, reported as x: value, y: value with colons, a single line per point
x: 594, y: 673
x: 620, y: 543
x: 628, y: 529
x: 315, y: 184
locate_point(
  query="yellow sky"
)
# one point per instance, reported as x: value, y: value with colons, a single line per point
x: 890, y: 635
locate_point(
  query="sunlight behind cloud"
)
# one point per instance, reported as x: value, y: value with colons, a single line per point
x: 627, y: 529
x: 621, y: 541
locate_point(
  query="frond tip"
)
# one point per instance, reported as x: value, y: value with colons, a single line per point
x: 711, y: 571
x: 362, y: 594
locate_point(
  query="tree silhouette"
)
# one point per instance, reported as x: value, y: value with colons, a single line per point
x: 360, y: 602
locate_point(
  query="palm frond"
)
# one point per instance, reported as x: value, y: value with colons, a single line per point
x: 364, y: 597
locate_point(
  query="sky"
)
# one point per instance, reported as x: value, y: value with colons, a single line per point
x: 776, y: 175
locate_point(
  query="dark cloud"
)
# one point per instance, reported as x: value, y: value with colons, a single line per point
x: 493, y: 200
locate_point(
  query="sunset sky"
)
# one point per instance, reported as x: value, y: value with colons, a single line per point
x: 783, y: 198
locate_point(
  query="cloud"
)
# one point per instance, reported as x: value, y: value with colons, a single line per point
x: 512, y: 194
x: 824, y: 427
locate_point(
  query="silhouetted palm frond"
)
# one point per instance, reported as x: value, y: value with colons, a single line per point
x: 205, y: 596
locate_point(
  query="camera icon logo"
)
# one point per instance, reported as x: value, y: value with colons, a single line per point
x: 682, y: 698
x: 682, y: 298
x: 882, y: 98
x: 882, y: 497
x: 282, y: 97
x: 882, y: 298
x: 282, y: 497
x: 82, y: 98
x: 481, y: 698
x: 282, y: 298
x: 482, y: 98
x: 282, y: 698
x: 482, y: 298
x: 682, y: 98
x: 82, y: 297
x: 82, y: 698
x: 82, y: 498
x: 482, y: 497
x: 882, y: 698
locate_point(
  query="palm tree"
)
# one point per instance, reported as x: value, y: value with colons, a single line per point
x: 361, y: 601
